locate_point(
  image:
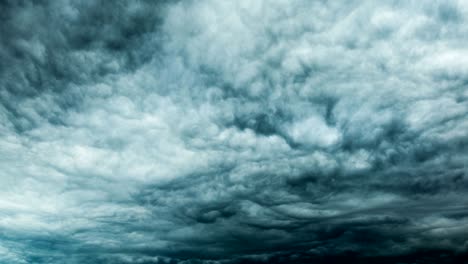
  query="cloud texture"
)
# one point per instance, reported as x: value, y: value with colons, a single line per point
x: 233, y: 131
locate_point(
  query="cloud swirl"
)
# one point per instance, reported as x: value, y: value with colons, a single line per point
x: 233, y: 131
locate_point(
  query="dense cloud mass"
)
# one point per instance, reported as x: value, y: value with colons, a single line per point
x: 219, y: 132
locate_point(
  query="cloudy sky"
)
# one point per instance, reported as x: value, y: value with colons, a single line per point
x: 250, y: 131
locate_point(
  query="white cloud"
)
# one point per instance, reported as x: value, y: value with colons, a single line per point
x: 183, y: 132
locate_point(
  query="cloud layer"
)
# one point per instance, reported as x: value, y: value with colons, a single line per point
x: 233, y: 131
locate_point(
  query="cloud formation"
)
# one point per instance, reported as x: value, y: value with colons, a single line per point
x: 233, y: 132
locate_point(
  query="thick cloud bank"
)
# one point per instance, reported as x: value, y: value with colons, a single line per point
x: 233, y: 131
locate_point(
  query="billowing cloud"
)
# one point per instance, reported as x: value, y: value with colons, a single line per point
x: 233, y: 132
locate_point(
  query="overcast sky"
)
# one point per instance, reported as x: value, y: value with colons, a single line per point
x: 244, y: 131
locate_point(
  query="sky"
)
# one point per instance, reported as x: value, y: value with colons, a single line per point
x: 230, y: 132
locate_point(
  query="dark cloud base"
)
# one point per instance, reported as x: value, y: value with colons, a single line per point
x: 233, y: 132
x: 423, y: 256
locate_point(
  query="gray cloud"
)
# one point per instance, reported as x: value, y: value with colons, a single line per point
x: 233, y: 132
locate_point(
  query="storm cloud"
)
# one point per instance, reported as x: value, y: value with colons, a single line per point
x: 233, y: 131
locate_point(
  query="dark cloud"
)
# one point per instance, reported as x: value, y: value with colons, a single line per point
x: 233, y: 132
x: 48, y: 47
